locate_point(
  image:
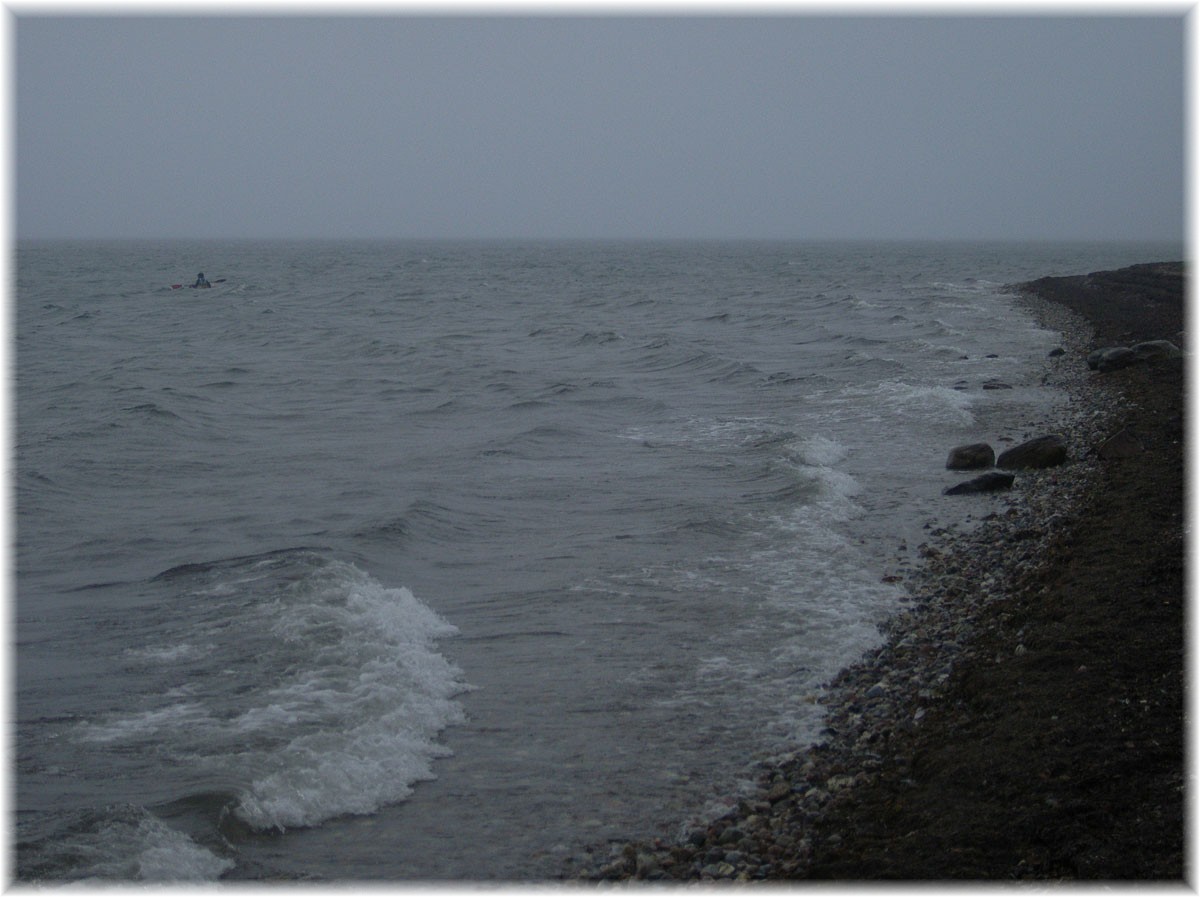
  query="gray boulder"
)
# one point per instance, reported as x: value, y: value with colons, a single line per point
x: 1116, y: 358
x: 989, y: 482
x: 1045, y: 451
x: 1156, y: 349
x: 1113, y: 358
x: 976, y: 456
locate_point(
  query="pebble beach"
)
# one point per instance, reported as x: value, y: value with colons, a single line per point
x: 1024, y: 717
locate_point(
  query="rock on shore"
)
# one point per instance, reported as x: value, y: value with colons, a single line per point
x: 993, y: 481
x: 976, y: 456
x: 1045, y: 451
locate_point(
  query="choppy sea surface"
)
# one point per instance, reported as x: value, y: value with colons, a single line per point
x: 423, y: 561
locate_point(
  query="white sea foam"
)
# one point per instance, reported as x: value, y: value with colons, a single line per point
x: 129, y: 843
x: 357, y: 725
x: 814, y: 459
x: 817, y: 601
x: 145, y: 724
x: 819, y: 450
x: 171, y: 856
x: 342, y: 703
x: 942, y: 405
x: 168, y: 653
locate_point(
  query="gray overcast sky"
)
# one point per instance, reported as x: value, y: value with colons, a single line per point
x: 786, y: 126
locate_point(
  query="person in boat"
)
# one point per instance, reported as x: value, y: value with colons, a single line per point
x: 200, y: 281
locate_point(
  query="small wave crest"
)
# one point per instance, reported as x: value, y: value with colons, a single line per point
x: 819, y: 451
x: 354, y: 726
x: 156, y: 654
x: 598, y: 337
x: 430, y: 522
x: 942, y: 405
x: 151, y: 410
x: 663, y: 358
x: 325, y: 692
x: 145, y: 724
x: 118, y: 843
x: 814, y: 459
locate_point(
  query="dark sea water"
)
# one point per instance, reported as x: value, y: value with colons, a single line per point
x: 447, y: 561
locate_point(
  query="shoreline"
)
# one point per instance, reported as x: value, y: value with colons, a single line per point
x: 1024, y: 717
